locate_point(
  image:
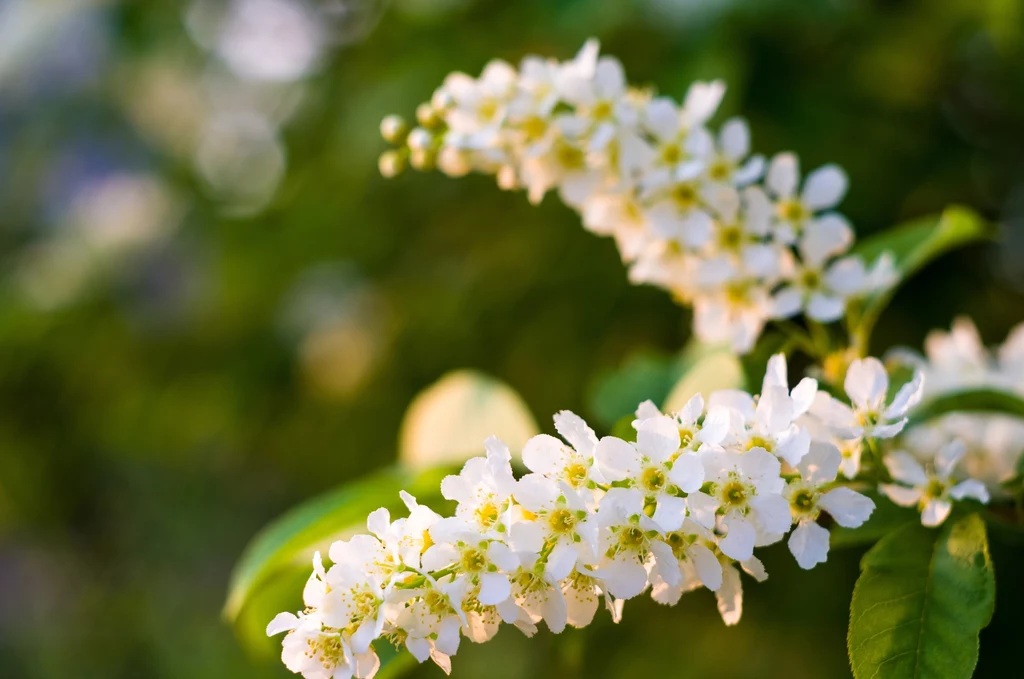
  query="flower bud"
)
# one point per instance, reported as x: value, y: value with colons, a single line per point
x: 391, y: 163
x: 423, y: 159
x: 420, y: 139
x: 453, y: 162
x: 427, y: 116
x: 442, y: 100
x: 394, y: 129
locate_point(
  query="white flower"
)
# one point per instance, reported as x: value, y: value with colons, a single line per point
x: 696, y: 426
x: 809, y: 495
x: 655, y: 466
x: 823, y: 189
x: 482, y: 562
x: 483, y: 490
x: 932, y: 491
x: 693, y: 546
x: 734, y: 312
x: 769, y: 424
x: 733, y: 146
x: 430, y: 618
x: 629, y: 538
x: 559, y: 529
x: 573, y: 463
x: 745, y: 500
x: 867, y: 385
x: 820, y: 288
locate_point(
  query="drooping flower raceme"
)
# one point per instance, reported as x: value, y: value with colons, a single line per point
x: 691, y: 210
x: 681, y: 507
x: 955, y: 361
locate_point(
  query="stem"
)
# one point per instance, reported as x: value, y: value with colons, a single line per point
x: 798, y: 336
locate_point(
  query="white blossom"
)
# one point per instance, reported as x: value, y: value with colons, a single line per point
x: 934, y: 489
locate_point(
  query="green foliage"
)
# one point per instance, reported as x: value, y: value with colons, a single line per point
x: 974, y: 400
x: 921, y: 600
x: 669, y: 381
x: 289, y: 542
x: 913, y: 245
x: 615, y: 393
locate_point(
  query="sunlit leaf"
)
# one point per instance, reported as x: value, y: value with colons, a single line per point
x: 448, y: 421
x: 969, y: 400
x: 913, y: 245
x: 921, y: 600
x: 706, y: 368
x: 290, y: 541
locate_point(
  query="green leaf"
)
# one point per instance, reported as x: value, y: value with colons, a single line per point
x: 921, y: 600
x: 914, y: 245
x: 706, y: 368
x: 616, y: 393
x: 887, y: 517
x: 289, y: 542
x: 448, y: 421
x: 969, y: 400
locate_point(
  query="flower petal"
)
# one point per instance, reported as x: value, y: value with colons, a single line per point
x: 809, y: 544
x: 848, y: 507
x: 824, y: 188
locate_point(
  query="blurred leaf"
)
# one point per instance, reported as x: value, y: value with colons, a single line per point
x: 969, y: 400
x: 616, y: 393
x: 290, y: 541
x: 706, y: 368
x: 623, y: 429
x: 887, y: 517
x: 914, y: 245
x: 448, y: 421
x: 921, y: 600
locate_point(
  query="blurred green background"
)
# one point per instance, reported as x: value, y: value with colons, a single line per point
x: 212, y: 307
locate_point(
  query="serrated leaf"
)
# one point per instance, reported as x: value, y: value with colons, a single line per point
x: 290, y: 541
x: 921, y: 600
x: 913, y: 245
x: 969, y: 400
x: 886, y: 518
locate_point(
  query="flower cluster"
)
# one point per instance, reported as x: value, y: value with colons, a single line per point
x: 681, y: 507
x: 991, y: 445
x: 740, y: 239
x: 870, y: 424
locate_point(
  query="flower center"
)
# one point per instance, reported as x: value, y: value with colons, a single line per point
x: 488, y: 109
x: 561, y: 521
x: 759, y: 442
x: 569, y: 156
x: 473, y: 561
x: 730, y: 237
x: 487, y: 514
x: 576, y: 473
x: 734, y: 494
x: 534, y: 127
x: 685, y: 196
x: 602, y: 111
x: 653, y: 479
x: 792, y: 211
x: 631, y: 538
x: 810, y: 279
x: 935, y: 489
x: 719, y: 170
x: 671, y: 154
